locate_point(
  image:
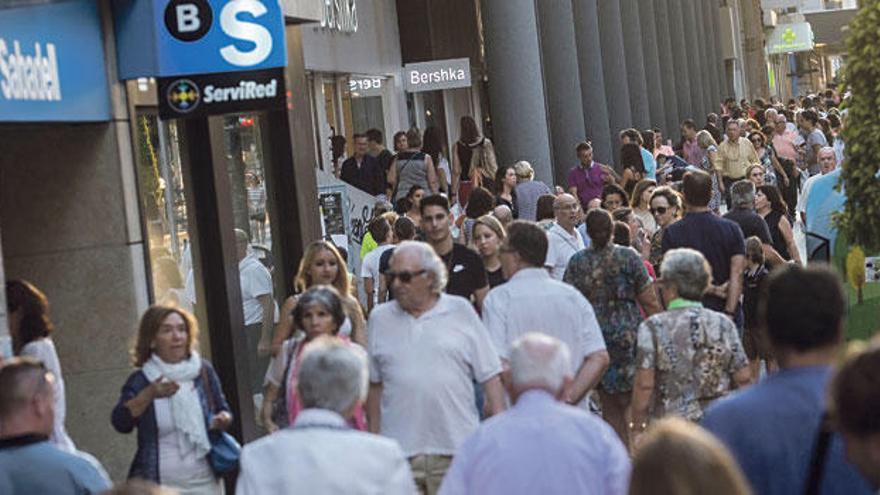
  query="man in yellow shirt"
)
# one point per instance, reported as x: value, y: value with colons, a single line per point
x: 735, y: 155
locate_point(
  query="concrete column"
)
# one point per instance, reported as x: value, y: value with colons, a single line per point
x: 705, y: 60
x: 666, y: 73
x: 651, y: 54
x: 516, y: 84
x: 635, y: 64
x: 616, y: 82
x: 695, y: 65
x: 562, y: 83
x: 679, y: 60
x: 592, y: 78
x: 725, y: 84
x: 710, y: 11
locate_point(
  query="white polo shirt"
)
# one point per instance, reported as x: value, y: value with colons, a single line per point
x: 531, y: 301
x: 561, y: 247
x: 427, y: 366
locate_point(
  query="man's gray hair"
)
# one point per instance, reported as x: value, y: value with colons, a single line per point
x: 688, y: 271
x: 539, y: 361
x: 333, y: 375
x: 428, y: 260
x: 742, y: 194
x: 827, y: 149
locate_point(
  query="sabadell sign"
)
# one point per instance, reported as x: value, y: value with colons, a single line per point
x: 437, y: 74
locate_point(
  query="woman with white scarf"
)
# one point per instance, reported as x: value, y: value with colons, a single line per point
x: 169, y: 400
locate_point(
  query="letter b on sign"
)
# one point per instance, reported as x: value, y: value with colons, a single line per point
x: 188, y: 20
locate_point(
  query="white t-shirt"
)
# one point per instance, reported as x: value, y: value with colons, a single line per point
x: 178, y: 468
x: 427, y: 366
x: 44, y: 350
x: 561, y: 247
x: 370, y: 268
x: 256, y: 281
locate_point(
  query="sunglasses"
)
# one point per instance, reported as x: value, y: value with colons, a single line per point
x: 660, y: 210
x: 405, y: 277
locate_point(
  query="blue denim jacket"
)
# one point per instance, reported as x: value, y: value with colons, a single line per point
x: 146, y: 460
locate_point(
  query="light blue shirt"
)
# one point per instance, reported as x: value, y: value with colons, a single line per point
x: 650, y: 164
x: 33, y: 465
x: 771, y: 428
x: 540, y: 446
x: 822, y: 203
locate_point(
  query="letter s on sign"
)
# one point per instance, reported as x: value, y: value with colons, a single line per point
x: 247, y: 31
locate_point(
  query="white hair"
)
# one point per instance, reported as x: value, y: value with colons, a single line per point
x: 428, y: 260
x: 539, y: 361
x: 687, y: 270
x: 333, y: 375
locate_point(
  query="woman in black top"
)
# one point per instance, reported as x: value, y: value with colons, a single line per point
x: 769, y: 204
x: 473, y: 162
x: 505, y: 180
x: 489, y: 234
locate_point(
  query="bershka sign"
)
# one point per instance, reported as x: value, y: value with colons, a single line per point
x: 438, y: 74
x: 214, y: 94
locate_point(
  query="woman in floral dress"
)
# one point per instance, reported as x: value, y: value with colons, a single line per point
x: 615, y: 281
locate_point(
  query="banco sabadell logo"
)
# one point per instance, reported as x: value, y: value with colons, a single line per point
x: 183, y: 95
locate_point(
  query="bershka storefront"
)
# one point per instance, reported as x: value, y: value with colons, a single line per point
x: 211, y: 103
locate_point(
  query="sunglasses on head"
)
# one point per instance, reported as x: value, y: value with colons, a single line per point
x: 405, y: 277
x: 660, y: 210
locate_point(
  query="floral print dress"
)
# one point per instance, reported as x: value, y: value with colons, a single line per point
x: 611, y: 279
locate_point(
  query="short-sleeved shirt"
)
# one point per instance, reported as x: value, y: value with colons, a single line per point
x: 384, y: 264
x: 771, y: 429
x: 815, y: 137
x: 467, y: 273
x: 823, y: 203
x: 751, y: 224
x: 588, y: 181
x: 256, y: 281
x: 527, y: 194
x: 649, y: 163
x: 694, y: 353
x: 611, y: 278
x: 370, y: 267
x: 531, y: 301
x: 561, y: 246
x: 30, y: 464
x: 717, y: 238
x: 427, y: 367
x: 733, y: 159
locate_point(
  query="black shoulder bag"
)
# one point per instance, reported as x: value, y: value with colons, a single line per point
x: 817, y: 461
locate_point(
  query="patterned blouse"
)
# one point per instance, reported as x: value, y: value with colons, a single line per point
x: 611, y: 278
x: 694, y: 352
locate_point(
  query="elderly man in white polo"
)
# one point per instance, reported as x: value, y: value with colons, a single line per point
x: 427, y: 349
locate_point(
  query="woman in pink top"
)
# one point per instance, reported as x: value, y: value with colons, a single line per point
x: 318, y: 312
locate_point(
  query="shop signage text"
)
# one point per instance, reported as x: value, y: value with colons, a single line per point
x: 198, y: 36
x: 436, y: 75
x: 213, y: 94
x: 37, y: 60
x: 789, y: 38
x: 365, y: 86
x: 340, y: 15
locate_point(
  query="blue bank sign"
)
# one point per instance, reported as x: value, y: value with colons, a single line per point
x: 52, y: 64
x: 161, y: 38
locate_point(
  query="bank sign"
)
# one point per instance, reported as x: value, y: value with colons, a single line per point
x: 52, y: 64
x: 162, y: 38
x: 213, y: 94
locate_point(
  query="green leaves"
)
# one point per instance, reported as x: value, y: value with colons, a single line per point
x: 860, y: 220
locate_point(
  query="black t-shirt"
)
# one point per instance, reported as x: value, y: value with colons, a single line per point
x: 385, y: 158
x: 717, y: 238
x: 384, y: 263
x: 751, y: 224
x: 496, y: 278
x: 467, y: 273
x: 752, y: 283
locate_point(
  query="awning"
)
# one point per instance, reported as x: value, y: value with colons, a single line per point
x: 828, y: 25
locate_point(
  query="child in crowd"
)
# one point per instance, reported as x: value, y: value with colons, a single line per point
x: 753, y: 279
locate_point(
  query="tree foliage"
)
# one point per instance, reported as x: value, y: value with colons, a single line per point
x: 860, y: 220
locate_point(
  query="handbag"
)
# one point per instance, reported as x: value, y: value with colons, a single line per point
x: 225, y: 449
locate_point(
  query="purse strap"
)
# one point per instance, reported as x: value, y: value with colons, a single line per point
x: 817, y: 461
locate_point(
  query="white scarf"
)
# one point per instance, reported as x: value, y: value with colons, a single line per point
x: 186, y: 408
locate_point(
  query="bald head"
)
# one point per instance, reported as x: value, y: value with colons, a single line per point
x: 827, y: 159
x: 503, y: 214
x: 26, y: 402
x: 538, y: 361
x: 565, y: 209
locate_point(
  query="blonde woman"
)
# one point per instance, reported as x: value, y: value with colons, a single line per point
x: 677, y: 457
x: 489, y: 234
x: 322, y: 264
x: 710, y: 153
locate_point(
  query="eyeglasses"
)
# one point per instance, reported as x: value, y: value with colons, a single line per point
x: 660, y: 210
x: 405, y: 277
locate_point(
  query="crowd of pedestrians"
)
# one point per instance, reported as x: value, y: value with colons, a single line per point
x: 642, y: 328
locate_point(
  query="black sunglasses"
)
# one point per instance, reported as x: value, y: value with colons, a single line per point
x: 660, y: 210
x: 405, y: 277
